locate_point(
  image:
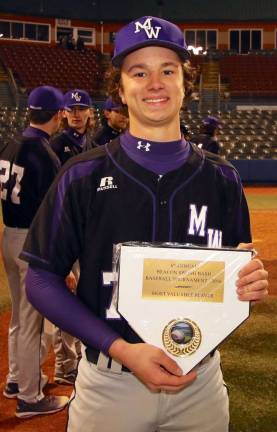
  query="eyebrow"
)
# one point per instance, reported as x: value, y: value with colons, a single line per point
x: 144, y: 66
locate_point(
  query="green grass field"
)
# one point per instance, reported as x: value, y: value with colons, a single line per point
x: 250, y: 371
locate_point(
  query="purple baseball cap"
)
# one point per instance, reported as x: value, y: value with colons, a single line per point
x: 110, y: 105
x: 77, y: 97
x: 45, y: 98
x: 148, y: 31
x: 211, y: 122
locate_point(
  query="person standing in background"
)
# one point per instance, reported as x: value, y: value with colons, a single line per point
x: 77, y: 126
x: 114, y: 123
x: 28, y: 167
x: 208, y: 137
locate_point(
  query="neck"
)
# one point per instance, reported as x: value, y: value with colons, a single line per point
x: 80, y: 130
x: 158, y: 133
x: 44, y: 127
x: 113, y: 127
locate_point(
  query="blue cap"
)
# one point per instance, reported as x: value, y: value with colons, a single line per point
x: 77, y: 97
x: 45, y: 98
x: 148, y: 31
x: 211, y: 122
x: 110, y: 105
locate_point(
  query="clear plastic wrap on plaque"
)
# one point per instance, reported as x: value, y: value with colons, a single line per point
x: 178, y: 297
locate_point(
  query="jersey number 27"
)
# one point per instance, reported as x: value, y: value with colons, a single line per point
x: 10, y: 173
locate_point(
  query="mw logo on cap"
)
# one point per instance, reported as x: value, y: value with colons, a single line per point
x: 152, y: 32
x: 76, y: 96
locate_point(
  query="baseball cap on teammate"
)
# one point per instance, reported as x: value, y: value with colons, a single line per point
x: 148, y: 31
x: 211, y: 122
x: 45, y: 98
x: 77, y: 97
x: 110, y: 105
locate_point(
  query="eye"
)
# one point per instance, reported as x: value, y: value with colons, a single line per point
x: 168, y: 72
x: 139, y: 74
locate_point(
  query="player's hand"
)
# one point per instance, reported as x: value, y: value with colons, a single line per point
x: 252, y: 284
x: 71, y: 282
x: 151, y: 365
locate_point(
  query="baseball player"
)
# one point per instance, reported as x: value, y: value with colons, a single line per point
x: 115, y: 121
x: 149, y: 184
x: 27, y: 168
x: 75, y: 138
x: 208, y: 137
x: 77, y: 123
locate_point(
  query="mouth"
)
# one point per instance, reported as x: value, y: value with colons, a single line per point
x: 159, y: 100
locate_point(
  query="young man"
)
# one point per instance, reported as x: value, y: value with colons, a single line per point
x: 77, y: 125
x: 28, y: 167
x: 142, y: 186
x: 115, y: 121
x: 208, y: 137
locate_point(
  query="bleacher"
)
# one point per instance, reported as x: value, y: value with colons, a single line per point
x: 255, y: 74
x: 244, y: 135
x: 35, y: 65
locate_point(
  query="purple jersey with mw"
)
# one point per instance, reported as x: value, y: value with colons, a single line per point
x: 133, y: 191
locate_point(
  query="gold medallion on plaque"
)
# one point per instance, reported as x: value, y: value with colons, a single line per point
x: 181, y: 337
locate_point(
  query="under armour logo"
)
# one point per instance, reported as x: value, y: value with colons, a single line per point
x: 152, y: 32
x: 76, y: 96
x: 145, y: 147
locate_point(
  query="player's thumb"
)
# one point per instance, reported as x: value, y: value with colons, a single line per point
x: 247, y: 246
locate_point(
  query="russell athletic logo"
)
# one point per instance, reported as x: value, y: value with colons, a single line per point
x: 106, y: 183
x: 145, y: 147
x: 152, y: 32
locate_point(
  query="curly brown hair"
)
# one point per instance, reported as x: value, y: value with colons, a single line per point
x: 113, y: 75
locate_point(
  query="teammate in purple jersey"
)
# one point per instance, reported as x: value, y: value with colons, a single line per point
x: 208, y: 137
x: 76, y: 136
x: 115, y: 121
x: 27, y: 168
x: 149, y: 184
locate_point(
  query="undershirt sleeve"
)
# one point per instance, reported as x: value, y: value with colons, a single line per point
x: 47, y: 291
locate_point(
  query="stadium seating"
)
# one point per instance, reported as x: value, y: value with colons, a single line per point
x: 35, y: 65
x: 255, y: 74
x: 244, y: 135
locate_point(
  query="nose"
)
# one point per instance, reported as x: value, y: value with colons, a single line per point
x: 155, y: 81
x: 75, y: 111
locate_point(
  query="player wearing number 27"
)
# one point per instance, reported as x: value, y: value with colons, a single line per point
x: 27, y: 168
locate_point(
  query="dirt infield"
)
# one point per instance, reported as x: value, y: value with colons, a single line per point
x: 8, y: 421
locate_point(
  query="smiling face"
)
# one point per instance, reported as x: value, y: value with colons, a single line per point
x: 152, y: 87
x: 78, y: 117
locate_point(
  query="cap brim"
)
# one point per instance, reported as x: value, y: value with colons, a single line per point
x: 68, y: 107
x: 183, y: 53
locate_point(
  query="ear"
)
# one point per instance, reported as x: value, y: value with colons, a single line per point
x: 121, y: 95
x: 107, y: 114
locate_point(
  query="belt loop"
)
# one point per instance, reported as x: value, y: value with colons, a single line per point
x: 102, y: 362
x: 116, y: 367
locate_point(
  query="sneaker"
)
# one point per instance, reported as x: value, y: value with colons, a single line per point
x: 47, y: 405
x: 67, y: 379
x: 11, y: 390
